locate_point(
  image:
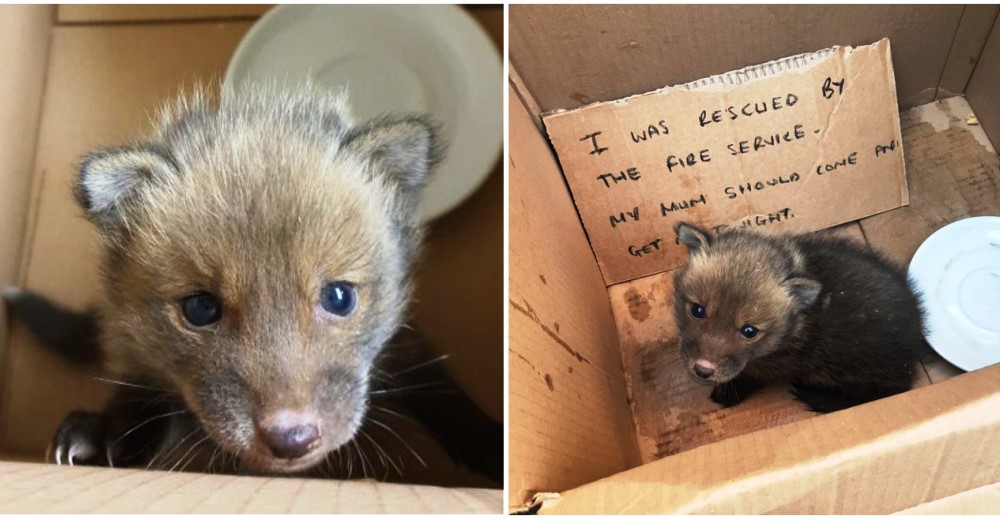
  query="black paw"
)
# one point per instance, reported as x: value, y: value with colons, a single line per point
x: 727, y: 394
x: 823, y: 400
x: 81, y: 440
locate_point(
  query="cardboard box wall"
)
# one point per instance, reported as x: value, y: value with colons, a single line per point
x: 75, y: 77
x: 571, y: 426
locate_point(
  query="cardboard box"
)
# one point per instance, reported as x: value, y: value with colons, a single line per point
x: 76, y: 77
x: 599, y: 420
x: 778, y: 146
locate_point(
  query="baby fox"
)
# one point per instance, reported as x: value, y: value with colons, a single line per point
x: 257, y: 260
x: 843, y: 324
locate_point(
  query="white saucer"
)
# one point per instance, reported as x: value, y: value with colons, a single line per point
x: 431, y: 59
x: 958, y: 271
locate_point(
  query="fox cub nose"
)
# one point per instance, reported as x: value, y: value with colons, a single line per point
x: 704, y: 369
x: 288, y: 435
x: 291, y: 443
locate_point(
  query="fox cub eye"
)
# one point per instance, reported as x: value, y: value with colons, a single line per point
x: 339, y: 298
x: 749, y: 331
x: 201, y: 309
x: 697, y: 311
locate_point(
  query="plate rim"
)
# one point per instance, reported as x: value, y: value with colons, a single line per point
x: 918, y: 256
x: 497, y: 135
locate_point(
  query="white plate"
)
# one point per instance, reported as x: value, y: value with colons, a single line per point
x: 958, y: 271
x: 431, y: 59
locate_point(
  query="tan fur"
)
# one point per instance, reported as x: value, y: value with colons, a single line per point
x: 259, y: 201
x: 744, y: 283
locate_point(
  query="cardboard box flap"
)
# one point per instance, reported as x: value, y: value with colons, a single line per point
x: 24, y: 53
x: 572, y: 55
x: 803, y: 143
x: 570, y: 422
x: 982, y: 87
x: 980, y: 501
x: 875, y: 458
x: 23, y: 486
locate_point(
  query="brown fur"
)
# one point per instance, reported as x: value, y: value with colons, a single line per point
x: 749, y: 283
x: 837, y: 320
x: 259, y: 201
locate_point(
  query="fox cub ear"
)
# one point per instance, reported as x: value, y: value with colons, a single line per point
x: 696, y: 239
x: 803, y: 292
x: 109, y: 180
x: 405, y: 149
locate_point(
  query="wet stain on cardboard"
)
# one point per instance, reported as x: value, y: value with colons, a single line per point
x: 542, y: 278
x: 691, y: 430
x: 530, y: 313
x: 951, y: 176
x: 638, y: 306
x: 649, y: 358
x: 548, y: 382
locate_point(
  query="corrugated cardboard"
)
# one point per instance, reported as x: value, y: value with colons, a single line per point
x: 801, y: 144
x: 569, y: 415
x: 570, y: 56
x: 982, y: 88
x: 25, y: 42
x: 929, y: 450
x: 98, y: 84
x: 970, y: 38
x: 875, y: 458
x: 954, y: 173
x: 980, y: 501
x: 30, y: 488
x: 673, y: 419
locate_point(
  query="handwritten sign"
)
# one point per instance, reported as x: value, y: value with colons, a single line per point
x: 798, y: 144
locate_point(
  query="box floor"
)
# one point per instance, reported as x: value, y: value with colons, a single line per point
x: 953, y: 173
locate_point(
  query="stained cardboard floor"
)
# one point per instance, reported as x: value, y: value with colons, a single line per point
x: 953, y: 173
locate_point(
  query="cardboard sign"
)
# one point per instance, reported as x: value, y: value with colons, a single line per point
x: 798, y: 144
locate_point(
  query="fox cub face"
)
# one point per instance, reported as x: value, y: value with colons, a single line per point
x: 257, y: 260
x: 738, y: 298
